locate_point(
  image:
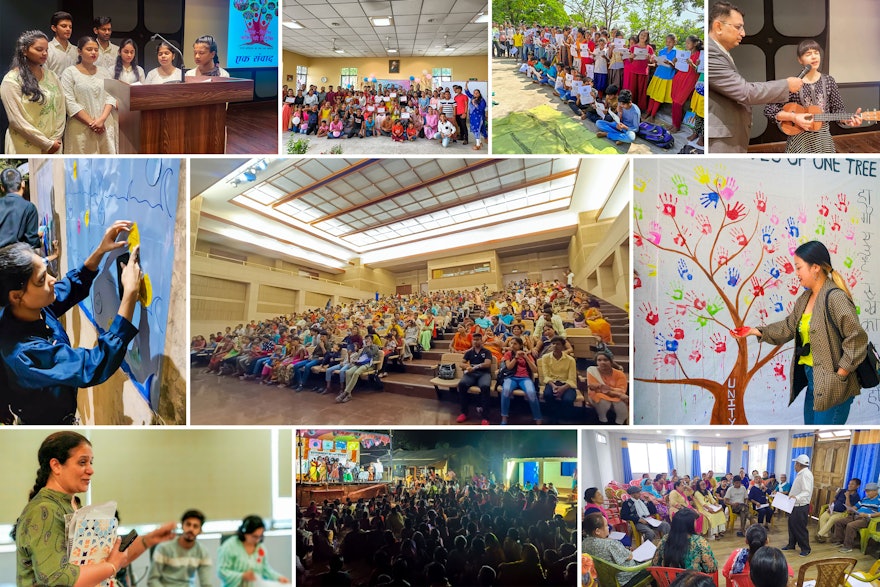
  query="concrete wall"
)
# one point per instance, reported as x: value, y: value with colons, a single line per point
x: 491, y: 278
x: 599, y: 256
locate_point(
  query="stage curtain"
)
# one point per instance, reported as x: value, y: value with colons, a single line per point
x: 801, y: 444
x: 696, y: 471
x: 745, y: 457
x: 627, y: 467
x: 728, y: 457
x: 771, y: 456
x: 864, y: 458
x: 669, y: 458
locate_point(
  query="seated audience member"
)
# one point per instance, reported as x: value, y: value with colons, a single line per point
x: 476, y: 365
x: 597, y: 544
x: 846, y: 530
x: 368, y: 357
x: 521, y: 368
x: 683, y: 548
x: 736, y: 498
x: 608, y: 388
x: 769, y: 568
x: 624, y: 130
x: 179, y: 562
x: 846, y: 500
x: 637, y: 511
x: 559, y: 378
x: 738, y: 562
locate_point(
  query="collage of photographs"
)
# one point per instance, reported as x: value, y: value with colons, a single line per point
x: 475, y: 293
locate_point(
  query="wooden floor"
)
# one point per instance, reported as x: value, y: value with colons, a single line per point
x: 779, y: 538
x: 865, y: 142
x: 252, y: 128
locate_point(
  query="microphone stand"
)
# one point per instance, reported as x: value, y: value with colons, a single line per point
x: 170, y: 44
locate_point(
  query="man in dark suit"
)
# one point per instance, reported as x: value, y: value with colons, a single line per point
x: 730, y: 95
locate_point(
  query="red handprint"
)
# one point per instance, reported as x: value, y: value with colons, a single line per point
x: 785, y: 265
x: 665, y: 359
x: 695, y: 301
x: 722, y: 257
x: 667, y: 204
x: 705, y: 225
x: 761, y: 201
x: 736, y: 211
x: 757, y: 288
x: 823, y: 207
x: 719, y: 342
x: 695, y: 355
x: 651, y: 316
x: 832, y: 247
x: 677, y: 330
x: 842, y: 203
x: 681, y: 238
x: 835, y: 223
x: 739, y: 236
x: 637, y: 282
x: 779, y: 371
x: 794, y: 286
x: 852, y: 279
x: 637, y: 239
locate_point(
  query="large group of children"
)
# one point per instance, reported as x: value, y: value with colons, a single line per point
x: 54, y: 92
x: 447, y: 115
x: 614, y: 81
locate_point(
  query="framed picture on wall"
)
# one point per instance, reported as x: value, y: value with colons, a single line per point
x: 394, y: 66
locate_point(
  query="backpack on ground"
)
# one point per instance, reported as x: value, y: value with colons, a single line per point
x: 654, y: 133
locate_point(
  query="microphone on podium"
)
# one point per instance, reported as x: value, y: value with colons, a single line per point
x: 182, y: 68
x: 805, y: 71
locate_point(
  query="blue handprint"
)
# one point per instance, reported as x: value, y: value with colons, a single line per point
x: 774, y: 272
x: 732, y: 276
x: 792, y: 228
x: 669, y: 344
x: 767, y: 234
x: 683, y: 270
x: 776, y: 300
x: 710, y: 198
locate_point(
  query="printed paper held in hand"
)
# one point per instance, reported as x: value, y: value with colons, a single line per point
x: 616, y: 535
x: 762, y: 506
x: 91, y: 533
x: 783, y: 502
x: 645, y: 552
x: 640, y: 53
x: 714, y: 508
x: 653, y: 522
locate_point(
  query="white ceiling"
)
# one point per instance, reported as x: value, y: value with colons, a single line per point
x: 392, y: 212
x: 419, y: 28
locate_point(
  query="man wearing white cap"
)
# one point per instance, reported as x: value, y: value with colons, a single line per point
x: 847, y: 529
x: 802, y: 492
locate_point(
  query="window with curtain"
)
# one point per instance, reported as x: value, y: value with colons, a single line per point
x: 349, y: 77
x: 757, y: 457
x: 647, y: 457
x: 441, y: 76
x: 713, y: 458
x: 302, y: 75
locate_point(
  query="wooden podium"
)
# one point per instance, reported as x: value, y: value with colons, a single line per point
x: 187, y: 118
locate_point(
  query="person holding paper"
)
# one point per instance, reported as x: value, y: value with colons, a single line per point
x: 242, y: 558
x: 641, y: 53
x: 715, y: 522
x: 660, y: 88
x: 758, y: 499
x: 41, y: 371
x: 802, y: 493
x: 730, y: 95
x: 683, y: 548
x: 640, y: 513
x: 629, y: 114
x: 597, y: 544
x: 846, y: 530
x: 736, y: 498
x: 65, y: 469
x: 685, y: 80
x: 844, y: 502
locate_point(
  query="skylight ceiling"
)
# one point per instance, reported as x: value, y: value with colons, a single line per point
x: 415, y: 28
x: 370, y: 204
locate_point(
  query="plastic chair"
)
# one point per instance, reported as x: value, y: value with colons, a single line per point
x: 608, y: 571
x: 740, y: 580
x: 635, y: 535
x: 830, y: 572
x: 868, y: 533
x: 664, y: 576
x: 872, y: 576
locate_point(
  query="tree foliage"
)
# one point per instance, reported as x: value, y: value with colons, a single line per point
x: 662, y: 17
x: 545, y: 12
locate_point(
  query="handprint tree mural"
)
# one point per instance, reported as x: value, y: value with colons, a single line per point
x: 713, y: 251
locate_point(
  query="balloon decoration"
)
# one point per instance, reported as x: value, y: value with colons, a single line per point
x: 412, y: 78
x: 366, y: 79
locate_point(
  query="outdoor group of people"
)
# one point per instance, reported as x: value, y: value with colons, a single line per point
x: 447, y: 115
x: 54, y: 92
x: 463, y: 535
x: 614, y: 81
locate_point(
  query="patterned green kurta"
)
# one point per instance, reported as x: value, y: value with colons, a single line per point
x: 40, y: 542
x: 233, y: 561
x: 699, y: 556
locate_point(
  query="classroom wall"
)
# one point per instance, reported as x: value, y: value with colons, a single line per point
x: 534, y: 266
x: 463, y: 68
x: 599, y: 256
x: 224, y: 293
x: 491, y: 278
